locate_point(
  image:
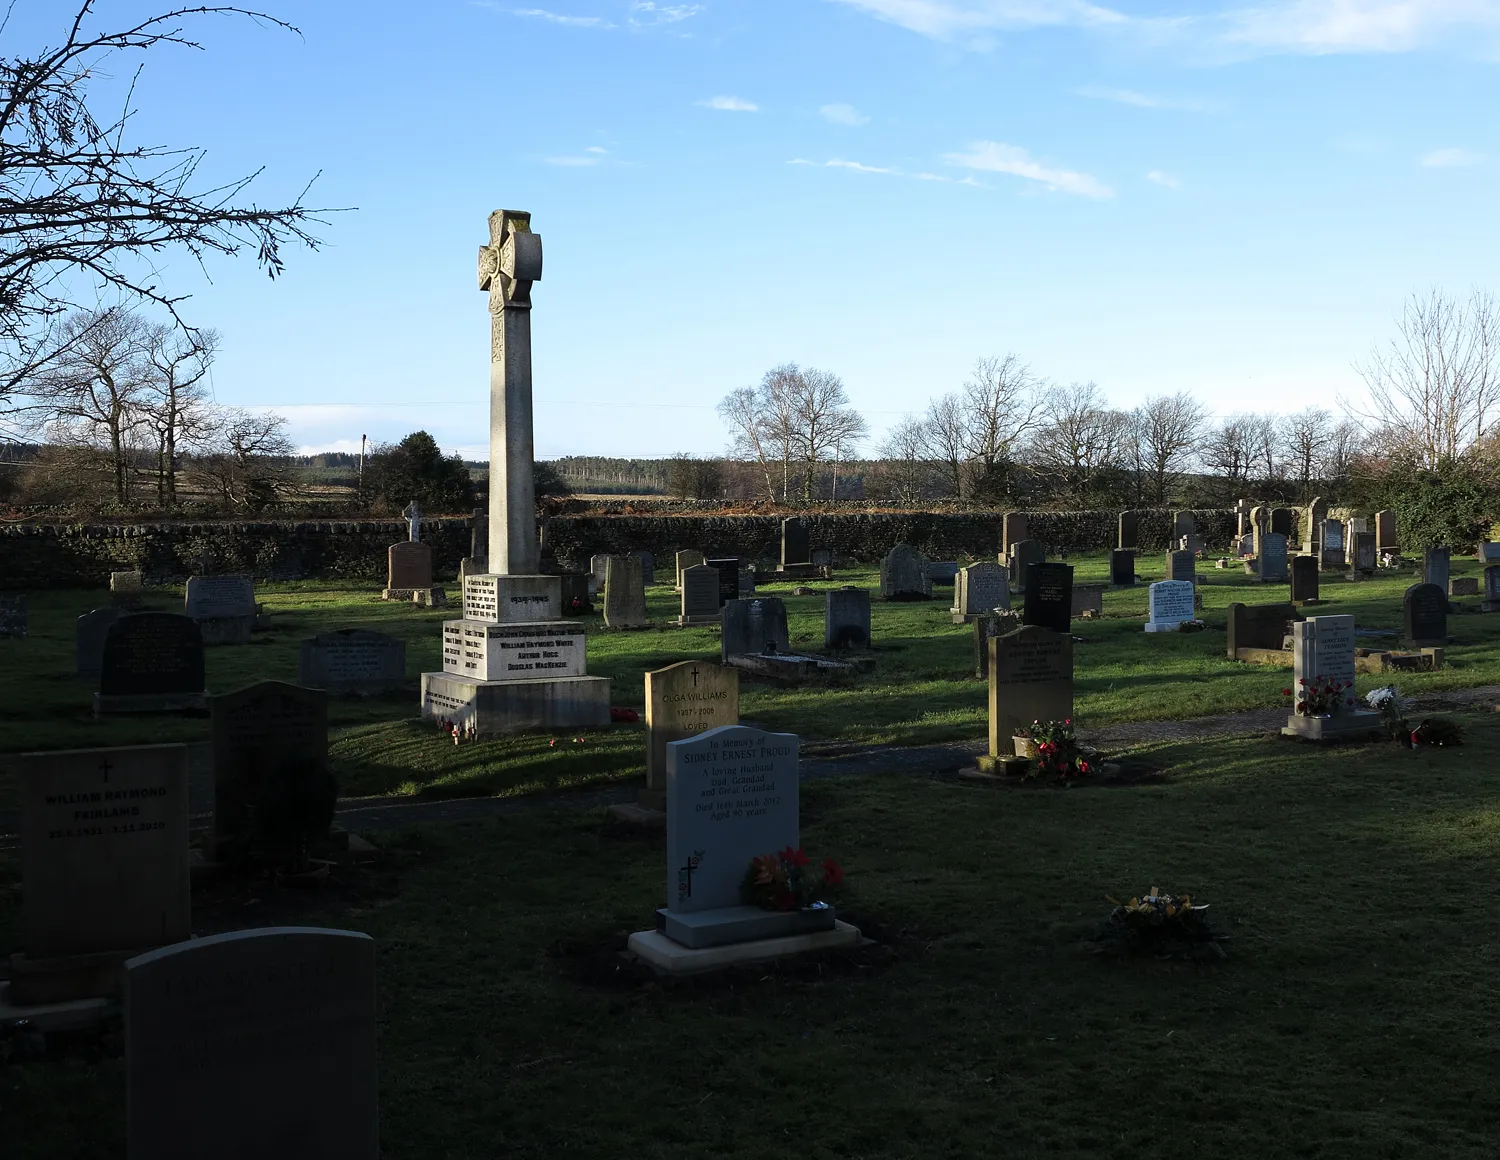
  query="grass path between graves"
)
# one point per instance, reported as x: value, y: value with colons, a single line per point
x: 921, y: 690
x: 1353, y: 1019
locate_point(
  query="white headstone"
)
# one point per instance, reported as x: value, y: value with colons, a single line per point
x: 1323, y: 649
x: 1171, y: 604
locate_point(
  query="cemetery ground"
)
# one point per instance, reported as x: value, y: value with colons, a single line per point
x: 1352, y: 1017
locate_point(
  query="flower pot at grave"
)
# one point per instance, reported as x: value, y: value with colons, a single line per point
x: 1025, y: 746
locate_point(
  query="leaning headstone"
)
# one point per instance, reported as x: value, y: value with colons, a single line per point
x: 104, y: 863
x: 1013, y: 529
x: 1031, y: 679
x: 1129, y: 535
x: 127, y: 589
x: 1171, y: 603
x: 1022, y: 556
x: 1435, y: 567
x: 683, y: 700
x: 1385, y: 531
x: 152, y: 663
x: 14, y: 618
x: 1122, y: 567
x: 754, y: 627
x: 408, y: 570
x: 253, y: 1044
x: 1304, y: 580
x: 1332, y: 555
x: 1271, y: 564
x: 1425, y: 616
x: 977, y: 589
x: 685, y: 559
x: 700, y: 595
x: 846, y: 618
x: 88, y: 639
x: 1491, y: 589
x: 648, y: 573
x: 353, y: 660
x: 1181, y: 565
x: 903, y: 575
x: 269, y: 740
x: 795, y: 548
x: 1364, y: 552
x: 223, y: 606
x: 1049, y: 596
x: 624, y: 593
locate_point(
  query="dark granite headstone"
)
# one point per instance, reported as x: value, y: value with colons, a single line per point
x: 846, y: 618
x: 89, y: 634
x: 1130, y: 536
x: 794, y: 544
x: 13, y: 615
x: 1281, y: 521
x: 353, y: 660
x: 729, y: 578
x: 1425, y: 616
x: 753, y: 627
x: 1262, y: 626
x: 648, y: 572
x: 1049, y: 596
x: 576, y: 600
x: 1122, y: 567
x: 1304, y: 579
x: 153, y: 661
x: 1364, y: 552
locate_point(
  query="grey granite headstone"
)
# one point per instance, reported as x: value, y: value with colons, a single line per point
x: 942, y: 572
x: 700, y: 595
x: 1183, y: 524
x: 353, y: 660
x: 1181, y: 565
x: 688, y: 558
x: 1272, y: 561
x: 1435, y: 567
x: 903, y: 575
x: 1491, y: 589
x: 979, y: 588
x: 89, y: 634
x: 1425, y: 616
x: 253, y: 1044
x: 624, y: 593
x: 846, y: 618
x: 219, y: 597
x: 1332, y: 555
x: 1022, y: 555
x: 153, y: 662
x: 127, y: 589
x: 753, y: 627
x: 1088, y: 598
x: 14, y: 618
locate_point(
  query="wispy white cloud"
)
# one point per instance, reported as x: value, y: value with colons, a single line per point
x: 646, y: 13
x: 574, y: 161
x: 883, y: 170
x: 559, y: 18
x: 1328, y: 26
x: 948, y: 19
x: 730, y: 105
x: 596, y: 149
x: 997, y: 157
x: 1146, y: 101
x: 1161, y: 177
x: 1451, y: 158
x: 843, y: 115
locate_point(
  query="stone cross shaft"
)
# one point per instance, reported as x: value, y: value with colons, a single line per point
x: 413, y: 517
x: 507, y: 267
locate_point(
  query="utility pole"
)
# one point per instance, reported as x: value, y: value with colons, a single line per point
x: 362, y: 439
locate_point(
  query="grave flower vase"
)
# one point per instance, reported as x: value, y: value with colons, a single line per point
x: 1025, y: 746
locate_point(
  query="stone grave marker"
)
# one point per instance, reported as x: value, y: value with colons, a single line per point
x: 1312, y: 526
x: 88, y: 639
x: 1281, y: 521
x: 512, y: 599
x: 1262, y: 627
x: 104, y: 861
x: 648, y: 571
x: 1031, y: 679
x: 353, y: 660
x: 978, y: 589
x: 746, y: 580
x: 731, y: 796
x: 729, y: 569
x: 1489, y: 551
x: 1304, y: 579
x: 597, y: 565
x: 683, y: 700
x: 846, y: 618
x: 1435, y: 567
x: 1088, y: 598
x: 700, y: 595
x: 795, y: 548
x: 408, y: 569
x: 1425, y: 616
x: 1332, y: 555
x: 987, y: 628
x: 1013, y: 529
x: 574, y: 588
x: 753, y: 627
x: 514, y: 652
x: 1049, y: 596
x: 1022, y: 556
x: 219, y: 597
x: 152, y: 663
x: 1181, y: 565
x: 1129, y: 537
x: 903, y: 575
x: 127, y: 589
x: 1385, y: 531
x: 1463, y: 586
x: 1491, y: 589
x: 266, y: 737
x: 1122, y: 567
x: 1246, y: 545
x: 624, y: 593
x: 688, y: 558
x: 822, y: 557
x: 943, y: 572
x: 1183, y: 524
x: 1271, y: 564
x: 1364, y: 552
x: 14, y: 618
x: 1171, y: 604
x: 253, y: 1044
x: 1323, y: 649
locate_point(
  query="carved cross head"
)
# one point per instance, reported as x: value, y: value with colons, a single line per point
x: 413, y: 515
x: 511, y: 262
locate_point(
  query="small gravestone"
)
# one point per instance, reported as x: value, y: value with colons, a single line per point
x: 746, y: 580
x: 597, y: 565
x: 1281, y: 521
x: 1022, y: 556
x: 648, y: 573
x: 1425, y: 616
x: 1262, y: 627
x: 795, y: 548
x: 943, y: 572
x: 223, y: 606
x: 127, y: 589
x: 1463, y: 586
x: 1049, y: 596
x: 353, y: 660
x: 903, y: 575
x: 1435, y: 567
x: 1183, y: 524
x: 688, y: 558
x: 1364, y: 552
x: 1271, y: 564
x: 1246, y: 545
x: 1088, y: 599
x: 1031, y: 679
x: 624, y: 593
x: 1304, y: 579
x: 1013, y: 529
x: 700, y: 595
x: 729, y: 569
x: 104, y: 864
x: 270, y: 744
x: 152, y: 663
x: 88, y: 639
x: 408, y: 570
x: 1385, y: 531
x: 754, y: 627
x: 822, y: 558
x: 987, y: 628
x: 846, y: 618
x: 14, y: 618
x: 1489, y: 551
x: 253, y: 1044
x: 1181, y: 565
x: 1129, y: 537
x: 1491, y: 589
x: 577, y: 599
x: 683, y: 700
x: 1122, y: 567
x: 1332, y: 555
x: 1171, y: 603
x: 978, y: 589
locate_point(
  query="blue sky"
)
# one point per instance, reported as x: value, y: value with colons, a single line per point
x: 1232, y: 200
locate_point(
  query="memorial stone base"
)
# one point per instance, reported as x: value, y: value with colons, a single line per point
x: 434, y: 597
x: 491, y: 707
x: 711, y: 940
x: 106, y: 705
x: 1340, y: 726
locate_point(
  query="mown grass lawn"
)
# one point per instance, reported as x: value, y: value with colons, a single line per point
x: 1354, y: 1017
x: 921, y: 689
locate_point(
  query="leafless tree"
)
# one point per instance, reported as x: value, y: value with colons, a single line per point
x: 1346, y: 443
x: 1002, y: 403
x: 1227, y: 452
x: 1435, y: 388
x: 1267, y: 454
x: 244, y: 456
x: 944, y: 432
x: 795, y: 415
x: 749, y: 440
x: 83, y: 209
x: 1164, y: 433
x: 1305, y: 437
x: 906, y: 466
x: 1078, y: 440
x: 174, y: 399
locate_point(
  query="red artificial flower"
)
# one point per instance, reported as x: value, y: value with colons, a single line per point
x: 1302, y: 681
x: 794, y: 858
x: 833, y: 873
x: 552, y: 743
x: 1286, y: 692
x: 1083, y: 767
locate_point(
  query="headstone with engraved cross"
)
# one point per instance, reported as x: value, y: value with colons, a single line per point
x: 683, y: 700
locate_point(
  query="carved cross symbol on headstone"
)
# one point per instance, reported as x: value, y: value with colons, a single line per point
x: 413, y: 517
x: 695, y: 678
x: 105, y: 767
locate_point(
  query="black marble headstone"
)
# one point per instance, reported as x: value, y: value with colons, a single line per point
x: 1129, y: 530
x: 1425, y: 615
x: 729, y: 578
x: 1304, y: 578
x: 1049, y: 596
x: 1122, y: 567
x: 152, y: 653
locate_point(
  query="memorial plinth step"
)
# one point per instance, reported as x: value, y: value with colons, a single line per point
x: 668, y: 957
x: 486, y: 651
x: 492, y: 707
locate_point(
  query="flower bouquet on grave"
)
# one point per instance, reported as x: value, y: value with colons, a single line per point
x: 1163, y: 925
x: 788, y: 881
x: 1058, y: 752
x: 1320, y: 697
x: 1191, y: 626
